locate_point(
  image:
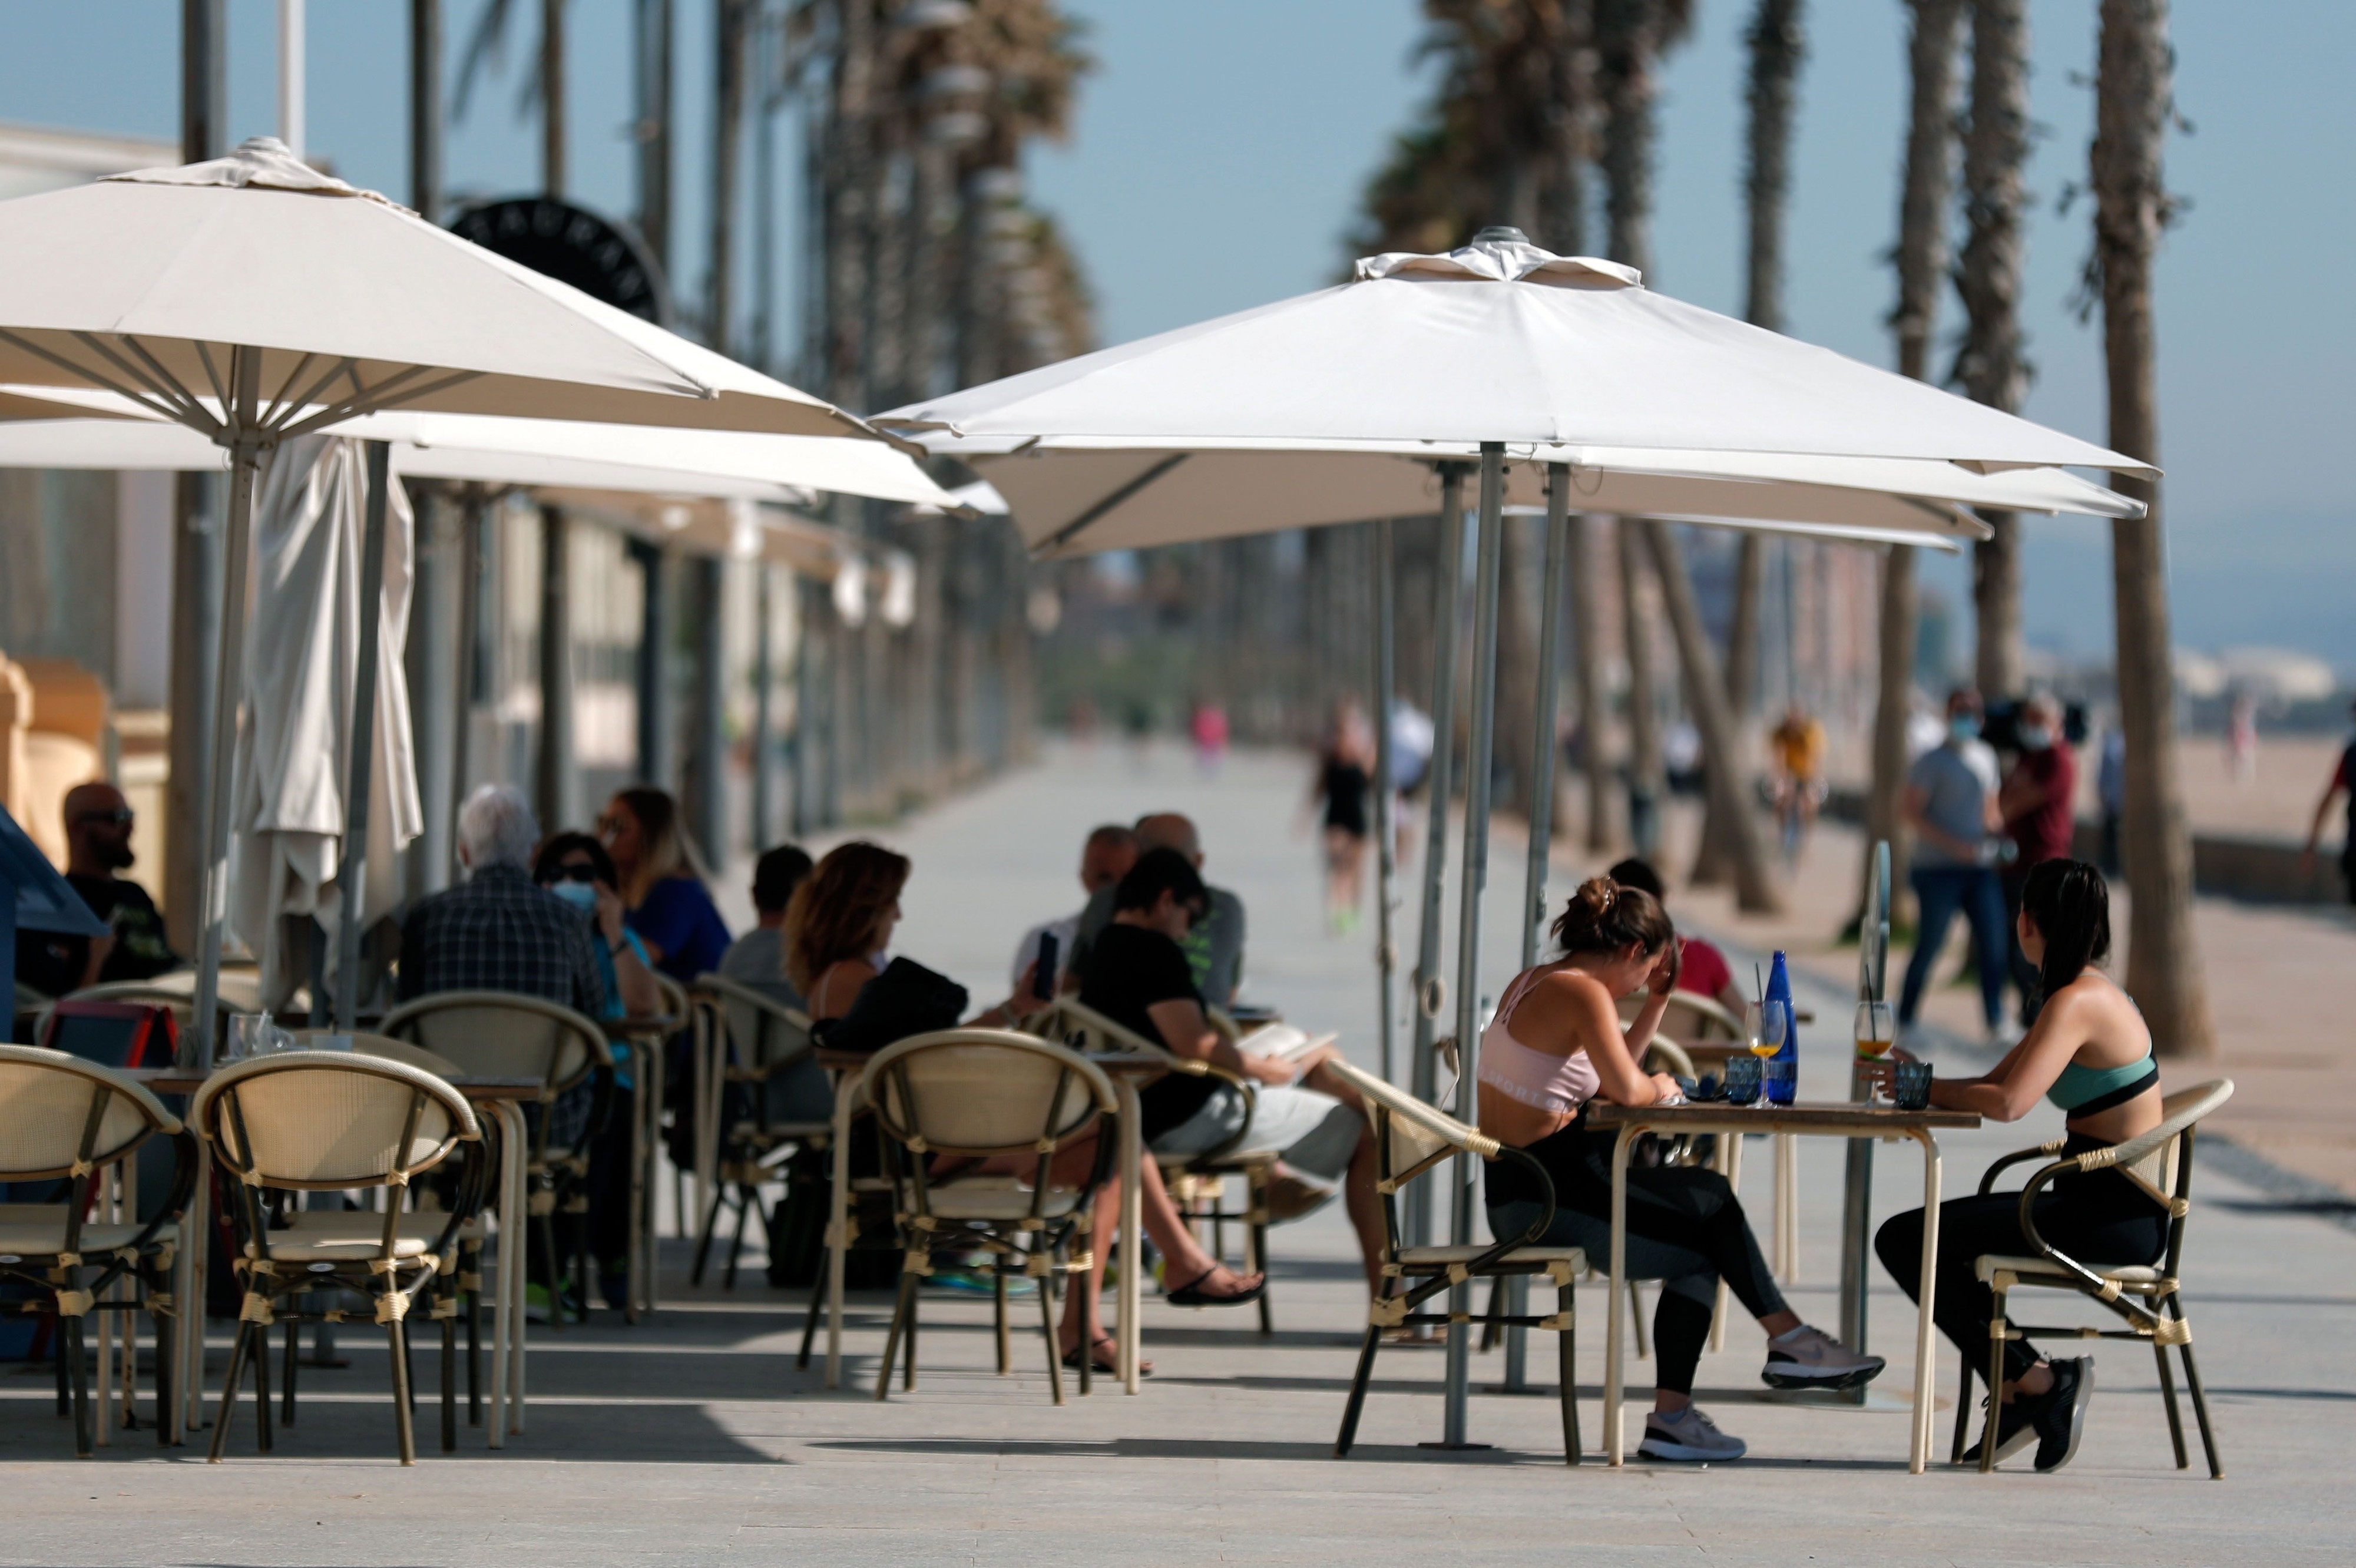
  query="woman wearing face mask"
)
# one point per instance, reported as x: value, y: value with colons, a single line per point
x: 2036, y: 803
x: 576, y: 868
x: 1555, y: 1044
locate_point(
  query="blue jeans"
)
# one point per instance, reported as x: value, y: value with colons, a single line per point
x: 1939, y: 892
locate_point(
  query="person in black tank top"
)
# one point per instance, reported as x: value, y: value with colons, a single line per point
x: 1345, y: 784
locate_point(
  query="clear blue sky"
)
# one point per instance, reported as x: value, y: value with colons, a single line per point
x: 1221, y: 144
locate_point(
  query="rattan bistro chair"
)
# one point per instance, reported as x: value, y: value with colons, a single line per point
x: 1197, y: 1183
x: 503, y: 1033
x: 328, y: 1122
x: 973, y: 1095
x: 1410, y: 1140
x: 2160, y: 1163
x: 72, y: 1122
x: 750, y: 1038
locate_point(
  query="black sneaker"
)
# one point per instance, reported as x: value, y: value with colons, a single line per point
x: 2061, y: 1412
x: 2016, y: 1429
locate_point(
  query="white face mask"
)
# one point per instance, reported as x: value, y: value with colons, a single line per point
x: 2036, y: 737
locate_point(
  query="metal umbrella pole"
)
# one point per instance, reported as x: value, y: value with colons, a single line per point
x: 470, y: 614
x: 1857, y: 1186
x: 351, y: 876
x: 1430, y: 990
x: 246, y: 444
x: 1386, y: 841
x: 1464, y: 1170
x: 1541, y: 815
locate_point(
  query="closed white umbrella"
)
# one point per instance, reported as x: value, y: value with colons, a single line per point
x: 255, y: 300
x: 1497, y: 346
x: 294, y: 753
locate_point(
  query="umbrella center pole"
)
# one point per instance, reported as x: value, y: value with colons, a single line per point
x: 1430, y: 990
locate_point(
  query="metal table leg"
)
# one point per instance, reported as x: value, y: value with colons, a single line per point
x: 1615, y: 1450
x: 1132, y: 1214
x: 837, y: 1221
x: 1925, y: 1384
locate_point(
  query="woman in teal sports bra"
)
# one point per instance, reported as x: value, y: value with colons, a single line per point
x: 2089, y: 1053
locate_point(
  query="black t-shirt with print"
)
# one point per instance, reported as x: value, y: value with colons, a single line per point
x: 1130, y: 970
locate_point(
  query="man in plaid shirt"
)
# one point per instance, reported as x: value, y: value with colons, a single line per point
x: 500, y: 931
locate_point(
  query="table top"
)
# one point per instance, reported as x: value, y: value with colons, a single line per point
x: 1118, y: 1063
x: 187, y: 1080
x: 645, y: 1026
x: 1801, y: 1116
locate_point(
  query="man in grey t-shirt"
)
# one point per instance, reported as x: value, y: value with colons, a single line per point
x: 1214, y: 950
x: 1951, y: 794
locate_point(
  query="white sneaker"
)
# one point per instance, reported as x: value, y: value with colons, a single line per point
x: 1688, y: 1435
x: 1810, y: 1359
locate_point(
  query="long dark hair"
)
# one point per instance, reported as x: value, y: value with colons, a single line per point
x: 2070, y: 904
x: 839, y: 909
x: 1605, y: 916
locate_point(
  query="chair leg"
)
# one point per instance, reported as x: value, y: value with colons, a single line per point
x: 585, y: 1265
x: 167, y: 1421
x: 746, y: 1197
x: 998, y: 1307
x: 1568, y: 1351
x: 236, y: 1375
x: 1255, y: 1240
x: 908, y: 1335
x: 1636, y: 1321
x: 1493, y: 1327
x: 703, y: 1234
x: 818, y: 1301
x: 2201, y: 1411
x: 1995, y: 1388
x: 555, y: 1280
x: 75, y: 1346
x: 1054, y: 1351
x: 286, y: 1395
x: 2167, y: 1402
x: 449, y: 1382
x: 473, y: 1266
x: 900, y: 1311
x: 1963, y: 1412
x: 261, y: 1386
x: 398, y: 1343
x: 1350, y: 1411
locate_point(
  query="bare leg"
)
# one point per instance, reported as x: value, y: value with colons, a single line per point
x: 1183, y: 1255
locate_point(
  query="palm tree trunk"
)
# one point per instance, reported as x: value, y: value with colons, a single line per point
x: 729, y: 41
x: 1647, y: 775
x: 2133, y: 102
x: 1755, y: 889
x: 551, y: 97
x: 1992, y: 366
x: 652, y: 37
x: 1587, y: 679
x: 1777, y: 48
x: 1922, y: 267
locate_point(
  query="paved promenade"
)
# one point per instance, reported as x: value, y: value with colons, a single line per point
x: 691, y: 1439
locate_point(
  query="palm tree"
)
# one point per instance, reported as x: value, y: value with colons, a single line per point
x: 1921, y: 258
x: 1990, y: 363
x: 544, y: 87
x: 1777, y: 47
x: 2134, y: 104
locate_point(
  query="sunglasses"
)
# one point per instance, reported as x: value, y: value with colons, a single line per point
x: 122, y: 817
x: 576, y: 871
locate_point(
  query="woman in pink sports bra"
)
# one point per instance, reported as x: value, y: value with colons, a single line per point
x: 1555, y: 1044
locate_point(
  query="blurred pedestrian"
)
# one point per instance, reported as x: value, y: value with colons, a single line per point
x: 1951, y: 804
x: 1345, y: 786
x: 2343, y: 782
x: 2039, y: 803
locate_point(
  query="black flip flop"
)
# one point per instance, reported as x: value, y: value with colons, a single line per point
x: 1188, y: 1295
x: 1107, y: 1368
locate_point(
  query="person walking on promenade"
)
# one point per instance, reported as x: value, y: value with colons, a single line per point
x: 2343, y: 782
x: 1343, y: 786
x: 1951, y: 804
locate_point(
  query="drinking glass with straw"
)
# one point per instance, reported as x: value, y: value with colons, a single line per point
x: 1763, y: 1028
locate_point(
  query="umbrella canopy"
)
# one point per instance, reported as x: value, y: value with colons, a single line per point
x: 149, y: 283
x: 1500, y: 341
x: 1070, y: 498
x: 651, y: 460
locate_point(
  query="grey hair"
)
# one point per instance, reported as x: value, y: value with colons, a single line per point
x: 495, y: 827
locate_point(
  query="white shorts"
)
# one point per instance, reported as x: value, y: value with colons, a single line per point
x: 1314, y: 1134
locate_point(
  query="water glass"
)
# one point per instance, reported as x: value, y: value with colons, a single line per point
x: 247, y: 1037
x: 1742, y: 1078
x: 1909, y: 1084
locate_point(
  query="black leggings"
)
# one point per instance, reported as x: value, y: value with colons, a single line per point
x: 2100, y: 1218
x: 1686, y: 1229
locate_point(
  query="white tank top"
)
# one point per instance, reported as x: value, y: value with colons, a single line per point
x: 1539, y: 1079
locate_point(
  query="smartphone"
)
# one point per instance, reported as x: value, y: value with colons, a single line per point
x: 1043, y: 982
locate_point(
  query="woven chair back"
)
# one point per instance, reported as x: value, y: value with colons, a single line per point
x: 383, y: 1046
x: 1415, y: 1131
x: 329, y: 1119
x: 498, y: 1034
x: 985, y: 1091
x: 2156, y: 1157
x: 1073, y: 1023
x: 764, y: 1033
x: 45, y: 1099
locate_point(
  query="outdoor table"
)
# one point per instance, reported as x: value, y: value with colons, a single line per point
x: 642, y: 1035
x: 1125, y: 1069
x: 505, y: 1098
x: 1805, y: 1119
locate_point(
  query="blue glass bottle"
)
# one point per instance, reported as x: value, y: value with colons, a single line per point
x: 1782, y: 1079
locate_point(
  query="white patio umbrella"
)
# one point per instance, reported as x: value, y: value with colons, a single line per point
x: 1497, y: 345
x: 255, y: 299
